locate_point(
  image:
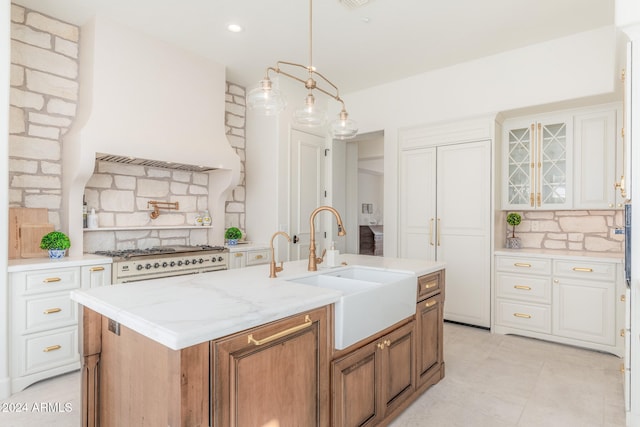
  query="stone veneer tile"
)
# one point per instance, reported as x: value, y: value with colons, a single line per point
x: 35, y: 181
x: 17, y: 75
x: 44, y: 119
x: 58, y: 106
x: 49, y: 84
x: 17, y: 13
x: 53, y: 26
x: 117, y: 201
x: 27, y: 35
x: 178, y: 188
x: 43, y: 59
x: 48, y: 201
x: 24, y: 99
x: 25, y: 166
x: 152, y: 188
x: 124, y: 182
x: 33, y: 148
x: 100, y: 180
x: 584, y: 224
x: 44, y: 132
x: 16, y: 120
x: 51, y: 168
x: 198, y: 189
x: 66, y: 47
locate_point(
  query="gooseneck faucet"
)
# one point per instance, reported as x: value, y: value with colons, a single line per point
x: 313, y: 259
x: 273, y: 269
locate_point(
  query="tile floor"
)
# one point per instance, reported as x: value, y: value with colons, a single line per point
x: 491, y: 380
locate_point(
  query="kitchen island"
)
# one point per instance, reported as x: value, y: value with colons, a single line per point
x: 233, y: 347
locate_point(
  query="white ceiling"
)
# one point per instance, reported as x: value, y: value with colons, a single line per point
x: 402, y: 37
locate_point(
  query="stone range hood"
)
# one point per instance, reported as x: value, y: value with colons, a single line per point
x: 143, y: 99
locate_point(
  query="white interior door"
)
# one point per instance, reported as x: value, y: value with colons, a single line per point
x: 307, y: 188
x: 463, y: 237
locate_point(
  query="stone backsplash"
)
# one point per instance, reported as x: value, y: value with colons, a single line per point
x: 580, y: 231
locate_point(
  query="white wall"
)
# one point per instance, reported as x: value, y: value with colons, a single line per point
x: 578, y: 66
x: 5, y: 60
x: 370, y: 190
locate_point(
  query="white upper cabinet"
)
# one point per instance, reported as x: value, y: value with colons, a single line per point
x: 537, y: 163
x: 566, y: 160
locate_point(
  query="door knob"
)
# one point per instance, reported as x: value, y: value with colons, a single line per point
x: 295, y: 239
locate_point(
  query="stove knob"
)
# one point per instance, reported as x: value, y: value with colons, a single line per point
x: 213, y: 259
x: 165, y: 264
x: 179, y: 263
x: 187, y: 262
x: 194, y: 261
x: 147, y: 266
x: 200, y: 260
x: 156, y: 265
x: 173, y: 263
x: 220, y: 258
x: 139, y: 267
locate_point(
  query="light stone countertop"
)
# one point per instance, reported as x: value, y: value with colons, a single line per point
x: 29, y: 264
x: 182, y: 311
x: 563, y: 254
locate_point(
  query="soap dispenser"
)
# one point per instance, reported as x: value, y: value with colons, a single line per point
x: 92, y: 219
x: 332, y: 256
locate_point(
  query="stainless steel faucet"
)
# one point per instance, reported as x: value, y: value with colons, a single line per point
x: 313, y: 259
x: 273, y: 269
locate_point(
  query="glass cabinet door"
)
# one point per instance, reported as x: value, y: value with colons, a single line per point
x: 520, y: 180
x: 552, y: 158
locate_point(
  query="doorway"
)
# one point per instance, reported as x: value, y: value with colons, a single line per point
x: 358, y: 191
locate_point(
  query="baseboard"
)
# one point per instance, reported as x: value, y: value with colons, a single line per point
x: 5, y: 387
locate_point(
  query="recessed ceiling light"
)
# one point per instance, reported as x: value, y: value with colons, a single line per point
x: 234, y: 28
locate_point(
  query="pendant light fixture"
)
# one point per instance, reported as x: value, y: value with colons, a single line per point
x: 268, y: 99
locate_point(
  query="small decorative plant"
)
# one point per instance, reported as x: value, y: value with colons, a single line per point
x: 56, y: 243
x: 232, y: 234
x: 513, y: 219
x: 513, y: 242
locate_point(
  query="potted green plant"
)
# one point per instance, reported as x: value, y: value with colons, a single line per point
x: 232, y: 234
x: 56, y: 243
x: 513, y: 242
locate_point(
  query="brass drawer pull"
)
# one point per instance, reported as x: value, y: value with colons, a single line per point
x: 431, y: 285
x: 52, y: 310
x: 523, y: 316
x: 239, y: 254
x: 522, y: 264
x: 259, y: 257
x: 52, y: 348
x: 306, y: 324
x: 96, y: 269
x: 583, y: 269
x: 51, y: 279
x: 522, y: 287
x: 430, y: 303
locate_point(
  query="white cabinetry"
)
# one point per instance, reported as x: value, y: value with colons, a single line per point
x: 245, y: 258
x: 564, y: 160
x: 44, y: 321
x: 537, y: 163
x: 572, y: 300
x: 445, y: 215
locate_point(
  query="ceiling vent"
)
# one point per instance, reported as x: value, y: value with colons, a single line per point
x: 353, y: 4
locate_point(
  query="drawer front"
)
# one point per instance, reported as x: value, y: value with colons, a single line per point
x: 258, y: 257
x: 429, y: 284
x: 46, y: 313
x: 524, y: 287
x: 46, y: 350
x: 53, y: 280
x: 585, y: 270
x: 531, y: 317
x: 524, y: 265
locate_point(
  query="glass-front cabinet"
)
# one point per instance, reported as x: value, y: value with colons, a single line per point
x: 537, y: 163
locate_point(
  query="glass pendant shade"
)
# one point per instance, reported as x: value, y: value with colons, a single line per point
x: 310, y: 115
x: 266, y: 99
x: 343, y: 127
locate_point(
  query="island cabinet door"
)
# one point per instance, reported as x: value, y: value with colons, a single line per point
x: 273, y: 375
x: 373, y: 381
x: 429, y: 351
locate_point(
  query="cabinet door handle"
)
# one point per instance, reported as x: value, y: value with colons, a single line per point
x: 96, y: 269
x: 52, y: 348
x: 258, y: 256
x: 522, y: 264
x: 430, y: 304
x: 238, y: 254
x: 583, y: 269
x: 52, y: 310
x: 51, y: 279
x: 438, y: 232
x: 522, y: 315
x: 431, y: 285
x: 431, y: 231
x: 522, y: 287
x: 306, y: 324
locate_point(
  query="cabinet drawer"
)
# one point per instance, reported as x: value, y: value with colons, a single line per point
x: 52, y: 280
x: 532, y: 317
x: 585, y: 270
x: 523, y: 287
x: 47, y: 350
x: 37, y: 314
x: 524, y: 265
x: 258, y: 257
x: 429, y: 284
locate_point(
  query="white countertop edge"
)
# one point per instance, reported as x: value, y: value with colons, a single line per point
x: 29, y: 264
x: 615, y: 257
